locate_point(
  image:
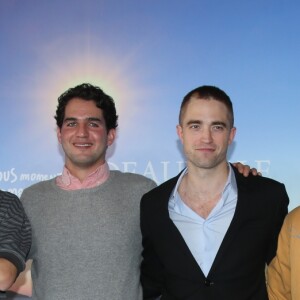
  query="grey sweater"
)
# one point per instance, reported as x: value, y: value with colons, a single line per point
x: 86, y: 244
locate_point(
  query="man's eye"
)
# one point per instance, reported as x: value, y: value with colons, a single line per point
x: 93, y: 124
x: 218, y: 127
x: 195, y: 126
x: 71, y: 124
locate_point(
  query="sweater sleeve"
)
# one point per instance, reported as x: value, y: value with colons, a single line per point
x: 15, y: 230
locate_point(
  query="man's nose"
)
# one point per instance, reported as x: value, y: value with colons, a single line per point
x: 206, y: 135
x: 82, y: 130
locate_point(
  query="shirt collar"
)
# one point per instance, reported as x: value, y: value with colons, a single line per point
x: 67, y: 181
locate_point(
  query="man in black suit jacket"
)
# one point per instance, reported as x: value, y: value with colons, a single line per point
x: 209, y: 232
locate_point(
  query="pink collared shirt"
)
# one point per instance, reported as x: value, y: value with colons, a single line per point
x: 67, y: 181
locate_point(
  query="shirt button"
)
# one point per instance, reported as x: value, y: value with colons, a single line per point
x: 208, y: 282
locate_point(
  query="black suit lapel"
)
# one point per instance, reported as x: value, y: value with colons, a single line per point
x: 177, y: 243
x: 237, y: 221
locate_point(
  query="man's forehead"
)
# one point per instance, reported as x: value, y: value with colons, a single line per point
x: 196, y: 99
x: 197, y: 104
x: 197, y: 111
x: 84, y: 115
x: 78, y: 106
x: 86, y: 118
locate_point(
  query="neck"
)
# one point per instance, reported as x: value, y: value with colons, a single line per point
x: 202, y: 190
x: 206, y: 182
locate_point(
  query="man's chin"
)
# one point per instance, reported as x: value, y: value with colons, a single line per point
x: 87, y: 163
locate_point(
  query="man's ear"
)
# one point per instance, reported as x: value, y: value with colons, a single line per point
x: 111, y: 136
x: 231, y: 135
x: 58, y: 133
x: 179, y: 132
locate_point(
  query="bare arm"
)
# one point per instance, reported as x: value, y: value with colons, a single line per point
x: 8, y: 274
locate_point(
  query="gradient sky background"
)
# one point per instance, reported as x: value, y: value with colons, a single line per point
x: 148, y: 55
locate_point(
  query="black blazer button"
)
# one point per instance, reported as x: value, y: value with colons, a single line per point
x: 208, y: 282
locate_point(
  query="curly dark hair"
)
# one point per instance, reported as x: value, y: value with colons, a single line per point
x: 88, y: 92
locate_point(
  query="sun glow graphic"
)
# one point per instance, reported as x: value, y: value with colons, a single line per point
x: 113, y: 74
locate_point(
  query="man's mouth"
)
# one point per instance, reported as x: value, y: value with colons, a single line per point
x: 205, y: 149
x: 82, y: 144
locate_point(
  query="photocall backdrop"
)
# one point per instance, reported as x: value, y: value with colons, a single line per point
x: 147, y: 55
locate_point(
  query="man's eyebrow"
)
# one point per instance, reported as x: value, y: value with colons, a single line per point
x: 69, y: 119
x: 201, y: 122
x: 94, y: 119
x: 219, y: 123
x: 194, y: 122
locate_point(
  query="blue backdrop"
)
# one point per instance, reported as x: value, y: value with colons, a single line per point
x: 147, y: 55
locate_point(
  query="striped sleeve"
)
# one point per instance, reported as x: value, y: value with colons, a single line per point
x: 15, y: 230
